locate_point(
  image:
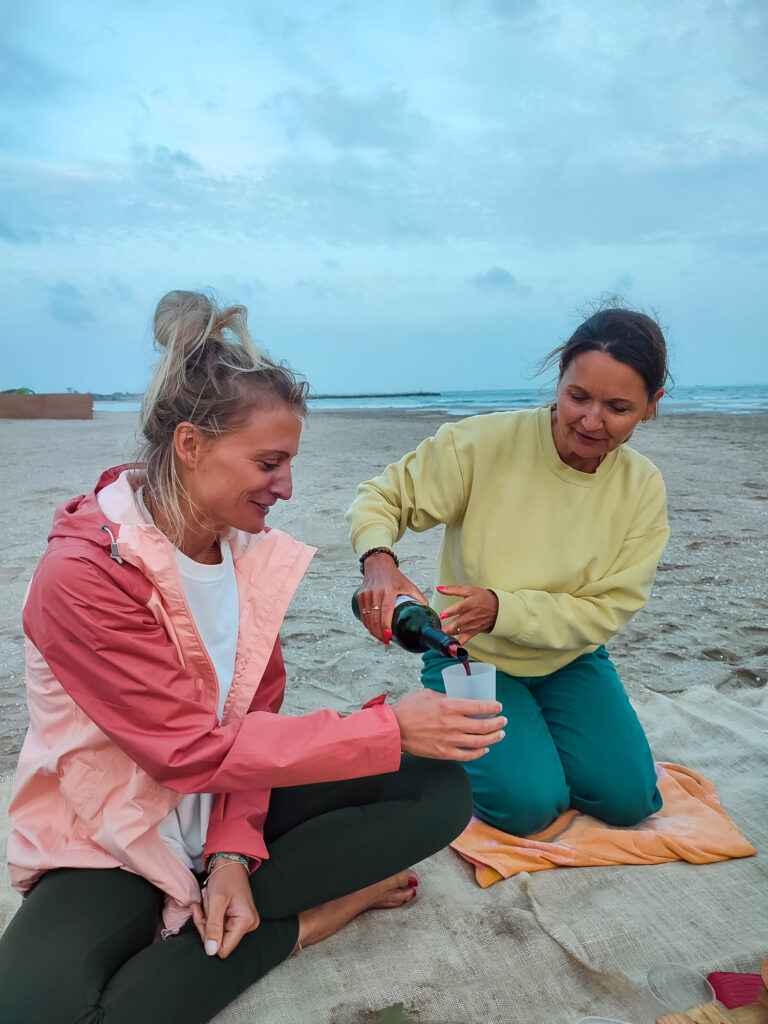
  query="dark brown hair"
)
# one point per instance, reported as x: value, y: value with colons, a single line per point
x: 626, y: 336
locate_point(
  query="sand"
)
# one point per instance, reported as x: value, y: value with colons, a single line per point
x: 705, y: 623
x: 695, y: 662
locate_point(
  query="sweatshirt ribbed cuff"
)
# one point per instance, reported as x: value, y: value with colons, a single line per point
x: 372, y: 537
x: 513, y: 619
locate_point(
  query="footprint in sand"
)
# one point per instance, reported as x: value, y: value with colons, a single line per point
x: 740, y: 678
x: 720, y: 654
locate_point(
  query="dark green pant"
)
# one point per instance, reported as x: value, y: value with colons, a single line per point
x: 80, y: 949
x: 573, y: 740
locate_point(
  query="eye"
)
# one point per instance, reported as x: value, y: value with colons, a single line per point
x: 269, y: 466
x: 619, y: 409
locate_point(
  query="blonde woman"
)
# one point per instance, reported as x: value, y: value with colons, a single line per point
x: 157, y: 761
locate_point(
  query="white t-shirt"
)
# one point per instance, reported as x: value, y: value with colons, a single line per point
x: 211, y: 593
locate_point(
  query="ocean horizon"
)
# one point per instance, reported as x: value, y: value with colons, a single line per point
x: 692, y: 399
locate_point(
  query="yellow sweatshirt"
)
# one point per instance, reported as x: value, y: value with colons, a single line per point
x: 571, y: 556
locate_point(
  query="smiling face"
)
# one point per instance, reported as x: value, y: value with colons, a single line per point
x: 234, y: 480
x: 600, y: 401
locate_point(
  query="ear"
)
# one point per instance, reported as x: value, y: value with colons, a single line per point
x: 188, y: 444
x: 651, y: 410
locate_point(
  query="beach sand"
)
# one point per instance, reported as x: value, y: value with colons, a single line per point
x: 695, y: 662
x: 705, y: 623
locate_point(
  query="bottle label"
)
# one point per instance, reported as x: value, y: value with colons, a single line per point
x: 402, y: 598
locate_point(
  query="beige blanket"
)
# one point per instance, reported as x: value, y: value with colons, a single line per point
x: 550, y: 947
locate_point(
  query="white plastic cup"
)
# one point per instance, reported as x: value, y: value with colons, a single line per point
x: 480, y: 684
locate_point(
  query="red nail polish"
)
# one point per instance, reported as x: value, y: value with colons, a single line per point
x: 444, y: 615
x: 387, y: 635
x: 439, y: 588
x: 413, y: 881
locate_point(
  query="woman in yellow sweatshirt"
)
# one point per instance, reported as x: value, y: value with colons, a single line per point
x: 554, y: 527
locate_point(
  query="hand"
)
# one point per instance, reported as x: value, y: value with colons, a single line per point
x: 382, y: 583
x: 475, y: 613
x: 227, y: 911
x: 433, y: 725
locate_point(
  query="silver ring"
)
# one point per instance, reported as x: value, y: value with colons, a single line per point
x: 364, y: 611
x: 376, y: 608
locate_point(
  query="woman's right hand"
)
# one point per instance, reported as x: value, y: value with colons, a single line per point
x: 433, y: 725
x: 382, y: 583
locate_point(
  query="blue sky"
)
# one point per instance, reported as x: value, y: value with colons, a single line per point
x: 405, y: 195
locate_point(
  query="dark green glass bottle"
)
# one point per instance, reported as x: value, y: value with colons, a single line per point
x: 416, y: 628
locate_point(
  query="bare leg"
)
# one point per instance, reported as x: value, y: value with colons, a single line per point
x: 319, y: 923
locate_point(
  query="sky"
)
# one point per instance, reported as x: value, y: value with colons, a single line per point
x: 405, y: 195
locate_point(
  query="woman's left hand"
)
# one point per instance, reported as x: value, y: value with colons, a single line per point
x: 475, y: 613
x: 228, y: 911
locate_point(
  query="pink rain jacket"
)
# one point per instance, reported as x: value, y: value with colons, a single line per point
x: 123, y: 696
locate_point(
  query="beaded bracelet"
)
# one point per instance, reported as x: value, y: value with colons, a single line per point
x: 377, y: 551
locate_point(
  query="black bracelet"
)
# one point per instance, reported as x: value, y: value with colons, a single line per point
x: 377, y: 551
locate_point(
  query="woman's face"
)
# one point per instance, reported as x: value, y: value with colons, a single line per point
x: 600, y: 401
x: 234, y: 480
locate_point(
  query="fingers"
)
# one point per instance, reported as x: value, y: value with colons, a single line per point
x: 236, y: 927
x: 213, y: 932
x: 465, y: 706
x: 198, y: 916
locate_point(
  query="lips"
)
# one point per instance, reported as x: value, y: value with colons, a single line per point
x: 591, y: 440
x: 261, y: 506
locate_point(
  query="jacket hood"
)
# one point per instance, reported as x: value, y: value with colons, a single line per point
x: 82, y: 518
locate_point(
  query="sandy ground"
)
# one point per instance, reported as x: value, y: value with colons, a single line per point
x: 708, y: 606
x: 549, y: 946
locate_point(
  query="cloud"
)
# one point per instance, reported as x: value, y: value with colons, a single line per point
x: 382, y: 121
x: 67, y: 305
x: 25, y: 78
x: 497, y: 278
x: 117, y: 289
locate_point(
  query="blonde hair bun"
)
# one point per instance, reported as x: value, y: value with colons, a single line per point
x: 211, y: 374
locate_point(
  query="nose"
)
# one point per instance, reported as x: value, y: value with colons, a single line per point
x: 592, y: 417
x: 282, y: 482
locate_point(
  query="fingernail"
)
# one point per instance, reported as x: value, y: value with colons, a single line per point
x: 444, y: 615
x: 502, y: 734
x: 439, y: 588
x: 387, y: 635
x: 211, y: 947
x: 505, y: 721
x: 413, y: 881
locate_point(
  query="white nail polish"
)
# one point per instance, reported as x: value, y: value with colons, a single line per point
x: 211, y: 947
x: 502, y: 734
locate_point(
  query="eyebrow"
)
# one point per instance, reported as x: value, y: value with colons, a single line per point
x: 273, y: 453
x: 627, y: 401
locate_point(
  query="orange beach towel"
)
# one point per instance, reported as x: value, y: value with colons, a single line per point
x: 691, y: 826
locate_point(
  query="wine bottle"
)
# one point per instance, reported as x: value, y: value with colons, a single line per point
x: 416, y: 628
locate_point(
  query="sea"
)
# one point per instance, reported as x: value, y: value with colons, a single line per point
x: 731, y: 399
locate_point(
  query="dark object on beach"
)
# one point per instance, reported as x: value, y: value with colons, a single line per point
x: 416, y: 628
x: 392, y: 1015
x: 20, y: 406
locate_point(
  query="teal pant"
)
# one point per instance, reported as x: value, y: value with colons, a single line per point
x: 573, y: 740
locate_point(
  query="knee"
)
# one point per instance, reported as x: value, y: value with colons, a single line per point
x: 446, y: 793
x: 520, y: 813
x: 624, y: 806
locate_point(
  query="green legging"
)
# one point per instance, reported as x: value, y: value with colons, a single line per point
x: 80, y: 949
x: 573, y: 740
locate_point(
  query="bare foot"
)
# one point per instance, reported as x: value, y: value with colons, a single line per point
x: 321, y: 922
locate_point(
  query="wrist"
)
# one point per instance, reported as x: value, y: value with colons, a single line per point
x: 376, y: 553
x: 225, y: 855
